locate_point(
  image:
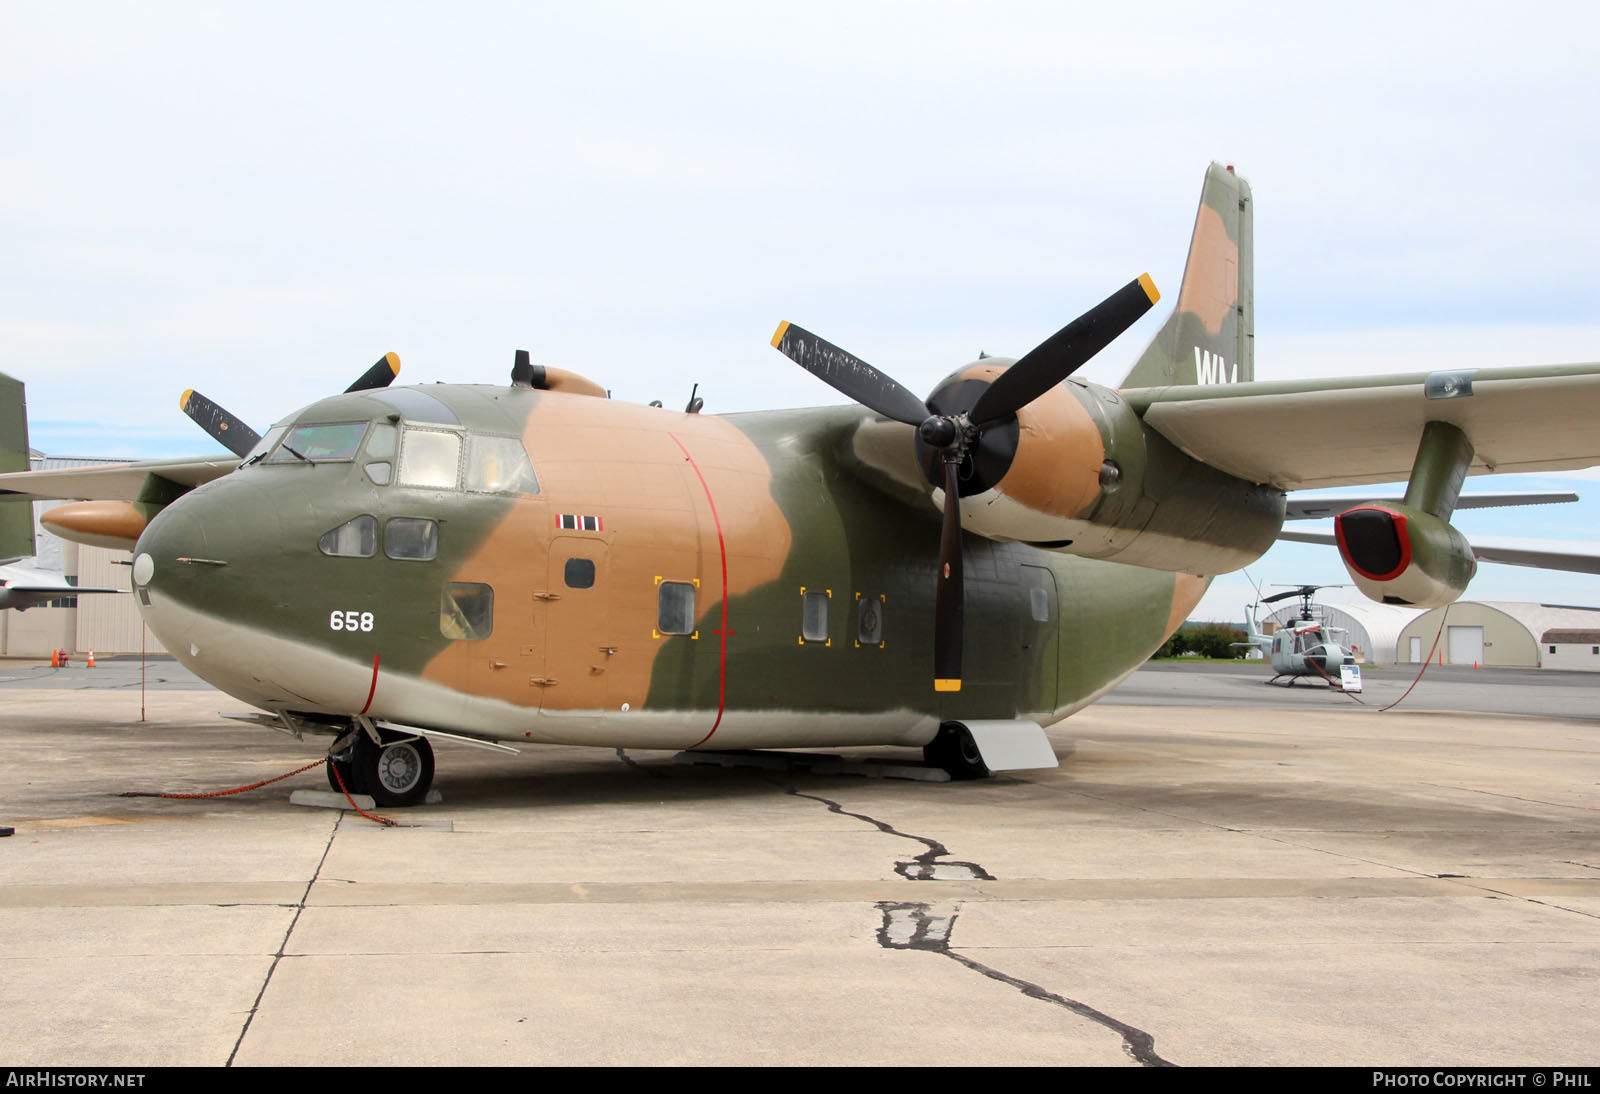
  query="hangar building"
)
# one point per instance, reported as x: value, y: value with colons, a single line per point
x: 1500, y: 634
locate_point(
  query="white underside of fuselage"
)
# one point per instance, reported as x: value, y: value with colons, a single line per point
x: 278, y: 674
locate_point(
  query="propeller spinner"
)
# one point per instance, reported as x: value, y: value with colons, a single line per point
x: 951, y: 434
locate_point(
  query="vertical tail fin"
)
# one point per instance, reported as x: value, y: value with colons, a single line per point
x: 16, y: 518
x: 1210, y: 336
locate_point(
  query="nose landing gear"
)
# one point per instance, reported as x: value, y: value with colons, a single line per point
x: 395, y: 770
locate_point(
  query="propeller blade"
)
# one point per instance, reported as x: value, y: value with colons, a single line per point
x: 381, y: 374
x: 849, y: 375
x: 233, y: 434
x: 949, y: 604
x: 1060, y: 355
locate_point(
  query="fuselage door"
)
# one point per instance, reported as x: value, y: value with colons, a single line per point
x: 1041, y: 639
x: 581, y: 649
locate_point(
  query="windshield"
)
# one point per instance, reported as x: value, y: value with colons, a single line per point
x: 319, y: 443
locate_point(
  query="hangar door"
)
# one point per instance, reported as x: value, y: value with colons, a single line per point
x: 1466, y: 645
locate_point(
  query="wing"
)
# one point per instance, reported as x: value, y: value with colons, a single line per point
x: 1544, y: 554
x: 1353, y: 430
x: 1325, y: 505
x: 113, y: 481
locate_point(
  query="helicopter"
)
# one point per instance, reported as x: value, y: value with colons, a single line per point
x: 1306, y: 647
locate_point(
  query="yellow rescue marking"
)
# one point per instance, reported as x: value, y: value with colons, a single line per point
x: 947, y: 685
x: 1149, y: 288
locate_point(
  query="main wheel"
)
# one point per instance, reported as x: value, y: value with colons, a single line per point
x: 955, y: 750
x: 398, y: 773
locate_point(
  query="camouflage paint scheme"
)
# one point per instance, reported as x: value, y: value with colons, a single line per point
x: 753, y: 511
x: 1093, y: 524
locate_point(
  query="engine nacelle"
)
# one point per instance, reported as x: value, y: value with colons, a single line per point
x: 1400, y: 555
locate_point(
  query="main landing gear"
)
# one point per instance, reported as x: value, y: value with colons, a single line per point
x: 955, y: 750
x: 399, y: 771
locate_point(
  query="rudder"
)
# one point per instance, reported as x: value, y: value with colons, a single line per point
x: 1210, y: 336
x: 16, y: 517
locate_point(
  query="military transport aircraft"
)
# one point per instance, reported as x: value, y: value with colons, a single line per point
x: 539, y: 563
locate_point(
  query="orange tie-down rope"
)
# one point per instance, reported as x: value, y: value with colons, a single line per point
x: 266, y: 782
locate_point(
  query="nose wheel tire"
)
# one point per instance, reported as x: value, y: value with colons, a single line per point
x: 398, y: 773
x: 955, y: 750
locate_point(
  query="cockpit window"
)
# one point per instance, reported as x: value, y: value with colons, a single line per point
x: 499, y: 465
x: 264, y: 445
x: 380, y: 453
x: 331, y: 442
x: 430, y: 457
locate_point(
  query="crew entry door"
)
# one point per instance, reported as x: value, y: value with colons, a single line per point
x: 580, y: 649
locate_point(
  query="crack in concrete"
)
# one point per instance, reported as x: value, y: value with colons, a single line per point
x: 926, y: 866
x: 299, y: 909
x: 918, y: 926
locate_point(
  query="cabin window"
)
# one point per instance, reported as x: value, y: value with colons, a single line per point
x: 814, y: 617
x: 466, y: 611
x: 499, y: 465
x: 579, y: 573
x: 326, y: 443
x: 431, y: 458
x: 411, y: 538
x: 675, y: 608
x: 869, y: 621
x: 356, y: 538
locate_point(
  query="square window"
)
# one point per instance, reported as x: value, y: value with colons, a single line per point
x: 675, y: 608
x: 466, y: 611
x: 869, y: 621
x: 411, y: 538
x: 814, y: 617
x: 579, y: 573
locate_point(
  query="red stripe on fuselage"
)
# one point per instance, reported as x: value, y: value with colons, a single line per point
x: 722, y: 549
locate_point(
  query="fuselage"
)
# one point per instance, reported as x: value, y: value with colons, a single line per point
x: 542, y: 566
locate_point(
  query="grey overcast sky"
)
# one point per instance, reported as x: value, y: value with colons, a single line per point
x: 258, y: 200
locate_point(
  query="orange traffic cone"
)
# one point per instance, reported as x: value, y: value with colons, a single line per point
x: 90, y: 665
x: 55, y: 659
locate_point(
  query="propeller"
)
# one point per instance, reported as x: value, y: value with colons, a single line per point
x: 954, y: 434
x: 233, y: 434
x: 381, y: 374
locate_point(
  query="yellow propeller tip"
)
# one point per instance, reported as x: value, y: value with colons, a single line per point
x: 777, y: 339
x: 1149, y: 288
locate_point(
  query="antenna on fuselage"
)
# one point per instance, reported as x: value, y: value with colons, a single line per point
x: 695, y: 402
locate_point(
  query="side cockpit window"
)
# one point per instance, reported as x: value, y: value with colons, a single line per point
x: 499, y: 465
x: 356, y: 538
x: 380, y: 453
x: 431, y: 458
